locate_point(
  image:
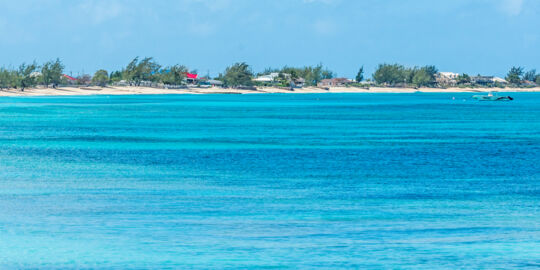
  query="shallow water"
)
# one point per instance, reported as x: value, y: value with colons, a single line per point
x: 418, y: 181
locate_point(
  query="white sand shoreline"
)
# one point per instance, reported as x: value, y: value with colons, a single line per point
x: 85, y: 91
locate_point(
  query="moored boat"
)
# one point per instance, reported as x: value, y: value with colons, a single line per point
x: 491, y: 97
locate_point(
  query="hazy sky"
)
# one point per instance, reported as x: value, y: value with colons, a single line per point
x: 473, y: 36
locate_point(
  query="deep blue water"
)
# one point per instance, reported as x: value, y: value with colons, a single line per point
x: 368, y: 181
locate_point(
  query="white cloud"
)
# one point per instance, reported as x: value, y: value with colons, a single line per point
x: 202, y: 29
x: 210, y: 5
x: 321, y: 1
x: 512, y: 7
x: 325, y: 27
x: 97, y: 11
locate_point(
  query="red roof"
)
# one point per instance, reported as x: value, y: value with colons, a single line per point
x: 191, y: 76
x: 69, y: 77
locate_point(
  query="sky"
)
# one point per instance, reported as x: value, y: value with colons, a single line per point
x: 466, y: 36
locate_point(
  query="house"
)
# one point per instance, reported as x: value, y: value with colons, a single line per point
x: 215, y: 83
x: 335, y: 82
x: 482, y: 79
x: 207, y: 83
x: 35, y: 74
x: 276, y: 77
x: 267, y: 78
x: 68, y: 79
x: 299, y: 82
x: 368, y: 82
x: 486, y: 80
x: 192, y: 78
x: 528, y: 83
x: 446, y: 78
x: 499, y: 80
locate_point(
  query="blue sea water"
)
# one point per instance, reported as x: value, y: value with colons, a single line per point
x: 367, y: 181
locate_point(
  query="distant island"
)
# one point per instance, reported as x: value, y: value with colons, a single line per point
x: 146, y: 76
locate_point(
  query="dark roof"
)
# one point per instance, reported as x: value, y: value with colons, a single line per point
x: 336, y: 80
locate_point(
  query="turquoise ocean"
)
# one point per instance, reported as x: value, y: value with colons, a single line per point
x: 350, y: 181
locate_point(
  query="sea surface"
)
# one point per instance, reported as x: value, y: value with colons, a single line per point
x: 298, y: 181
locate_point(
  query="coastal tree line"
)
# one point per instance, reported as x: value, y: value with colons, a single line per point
x: 312, y: 75
x: 30, y: 75
x: 138, y: 71
x: 399, y: 75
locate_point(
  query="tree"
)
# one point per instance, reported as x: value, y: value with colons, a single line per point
x: 5, y: 78
x: 422, y: 78
x: 148, y: 69
x: 84, y: 79
x: 311, y: 74
x: 293, y: 73
x: 115, y: 76
x: 238, y: 74
x: 537, y: 80
x: 13, y: 78
x: 130, y: 72
x: 51, y: 73
x: 360, y: 75
x: 514, y: 75
x: 269, y: 70
x: 327, y: 74
x: 431, y: 71
x: 390, y: 74
x: 101, y: 78
x: 530, y: 75
x: 463, y: 79
x: 314, y: 74
x: 409, y: 74
x: 173, y: 75
x: 25, y: 76
x: 144, y: 70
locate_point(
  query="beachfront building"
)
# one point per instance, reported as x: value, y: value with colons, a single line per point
x: 68, y: 79
x: 528, y: 83
x: 446, y: 78
x: 268, y: 78
x: 35, y: 74
x: 499, y: 80
x: 488, y: 80
x: 209, y: 83
x: 192, y: 78
x: 299, y: 82
x: 215, y: 83
x: 276, y: 78
x: 482, y: 80
x: 335, y: 82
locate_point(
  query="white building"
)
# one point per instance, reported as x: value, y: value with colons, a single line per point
x: 267, y: 78
x: 499, y: 80
x: 447, y: 78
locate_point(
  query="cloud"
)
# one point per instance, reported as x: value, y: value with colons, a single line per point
x: 320, y: 1
x: 325, y: 27
x: 210, y: 5
x: 97, y: 11
x: 511, y: 7
x: 202, y: 29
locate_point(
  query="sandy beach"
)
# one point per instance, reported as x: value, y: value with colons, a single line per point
x: 76, y: 91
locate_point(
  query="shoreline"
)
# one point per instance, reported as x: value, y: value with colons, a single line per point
x: 130, y: 90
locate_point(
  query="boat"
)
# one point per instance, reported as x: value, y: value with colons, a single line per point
x: 491, y: 97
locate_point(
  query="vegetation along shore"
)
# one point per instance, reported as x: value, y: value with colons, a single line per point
x: 146, y: 76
